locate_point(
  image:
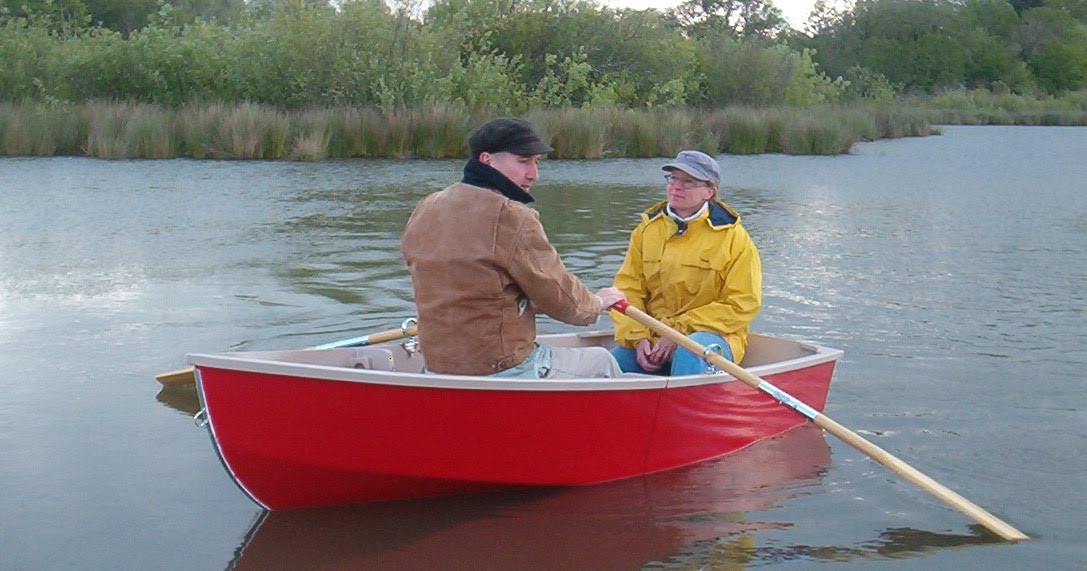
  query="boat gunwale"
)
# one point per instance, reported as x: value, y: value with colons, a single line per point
x: 236, y: 361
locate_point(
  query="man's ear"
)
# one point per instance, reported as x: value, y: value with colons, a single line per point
x: 485, y: 157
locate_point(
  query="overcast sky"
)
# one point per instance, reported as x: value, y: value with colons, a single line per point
x: 796, y: 11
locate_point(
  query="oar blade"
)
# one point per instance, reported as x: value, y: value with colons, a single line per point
x: 178, y: 378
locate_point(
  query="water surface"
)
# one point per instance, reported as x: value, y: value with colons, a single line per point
x: 950, y: 270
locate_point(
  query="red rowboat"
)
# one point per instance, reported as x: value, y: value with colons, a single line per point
x: 342, y: 426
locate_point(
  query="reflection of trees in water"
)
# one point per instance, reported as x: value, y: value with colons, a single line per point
x: 894, y: 543
x: 590, y: 224
x: 344, y: 244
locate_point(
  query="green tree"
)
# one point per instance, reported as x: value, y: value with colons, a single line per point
x: 924, y: 45
x: 826, y: 15
x: 1055, y: 48
x: 631, y: 53
x: 221, y: 11
x: 63, y: 16
x: 747, y: 73
x: 1021, y: 6
x: 124, y: 16
x: 743, y: 18
x: 1076, y: 8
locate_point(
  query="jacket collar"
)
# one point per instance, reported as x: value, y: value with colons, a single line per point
x: 719, y: 215
x: 486, y: 176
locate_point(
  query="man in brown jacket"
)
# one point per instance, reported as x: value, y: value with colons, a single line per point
x: 482, y: 267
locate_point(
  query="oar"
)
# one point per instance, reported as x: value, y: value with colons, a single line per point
x: 878, y: 454
x: 182, y: 377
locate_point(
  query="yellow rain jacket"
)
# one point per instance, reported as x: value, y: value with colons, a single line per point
x: 702, y: 275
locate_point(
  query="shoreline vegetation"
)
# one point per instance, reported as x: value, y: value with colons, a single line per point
x: 254, y: 131
x: 250, y: 131
x: 320, y: 79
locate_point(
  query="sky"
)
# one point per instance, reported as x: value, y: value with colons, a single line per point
x: 796, y: 11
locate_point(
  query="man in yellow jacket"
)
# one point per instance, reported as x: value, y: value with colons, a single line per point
x: 693, y: 266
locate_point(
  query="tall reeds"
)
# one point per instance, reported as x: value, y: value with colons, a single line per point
x: 215, y: 130
x: 575, y: 133
x: 982, y: 107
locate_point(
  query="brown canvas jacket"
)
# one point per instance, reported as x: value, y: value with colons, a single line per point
x: 476, y: 258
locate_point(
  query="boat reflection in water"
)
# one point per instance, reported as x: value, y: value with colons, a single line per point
x: 619, y: 525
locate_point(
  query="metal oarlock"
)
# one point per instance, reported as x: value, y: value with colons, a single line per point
x: 712, y: 348
x: 411, y: 345
x: 200, y: 419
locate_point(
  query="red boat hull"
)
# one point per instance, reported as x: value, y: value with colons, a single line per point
x: 294, y: 442
x: 620, y: 525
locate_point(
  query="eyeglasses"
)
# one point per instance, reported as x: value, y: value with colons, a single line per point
x: 684, y: 183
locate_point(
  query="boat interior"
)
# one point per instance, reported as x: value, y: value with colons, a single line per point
x: 407, y: 357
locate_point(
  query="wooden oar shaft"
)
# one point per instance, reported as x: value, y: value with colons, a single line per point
x: 182, y: 377
x: 371, y: 339
x: 941, y: 492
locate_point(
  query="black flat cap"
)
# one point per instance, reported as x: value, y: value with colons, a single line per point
x: 507, y: 134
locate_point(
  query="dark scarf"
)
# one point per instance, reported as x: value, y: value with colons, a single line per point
x: 486, y: 176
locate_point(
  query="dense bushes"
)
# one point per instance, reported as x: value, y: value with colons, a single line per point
x: 922, y: 46
x: 304, y: 79
x: 305, y: 54
x: 512, y: 55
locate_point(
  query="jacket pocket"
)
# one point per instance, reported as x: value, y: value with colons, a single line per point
x: 698, y: 274
x: 651, y: 268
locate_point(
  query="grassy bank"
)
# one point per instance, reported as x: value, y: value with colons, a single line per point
x: 981, y: 107
x: 250, y: 131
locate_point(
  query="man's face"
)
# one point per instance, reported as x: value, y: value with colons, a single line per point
x: 521, y: 169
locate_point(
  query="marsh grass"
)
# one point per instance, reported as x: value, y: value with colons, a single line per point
x: 220, y: 130
x: 148, y: 133
x: 748, y: 133
x: 640, y: 135
x: 575, y: 133
x: 251, y: 131
x: 311, y: 135
x: 18, y: 132
x: 680, y: 129
x: 440, y: 131
x: 197, y: 129
x: 106, y: 131
x: 807, y: 135
x: 981, y: 107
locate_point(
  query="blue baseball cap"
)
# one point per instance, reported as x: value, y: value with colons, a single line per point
x: 697, y: 164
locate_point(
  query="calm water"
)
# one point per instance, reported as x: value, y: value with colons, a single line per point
x: 950, y: 269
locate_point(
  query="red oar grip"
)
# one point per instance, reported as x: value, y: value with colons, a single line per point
x: 621, y: 306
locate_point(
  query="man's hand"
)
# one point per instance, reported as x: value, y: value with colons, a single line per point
x: 610, y: 296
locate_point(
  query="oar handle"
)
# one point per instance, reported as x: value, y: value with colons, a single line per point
x: 941, y: 492
x: 185, y: 377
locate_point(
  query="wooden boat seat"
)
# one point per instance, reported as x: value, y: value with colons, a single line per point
x: 374, y: 358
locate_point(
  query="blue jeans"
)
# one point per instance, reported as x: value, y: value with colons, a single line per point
x: 683, y: 361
